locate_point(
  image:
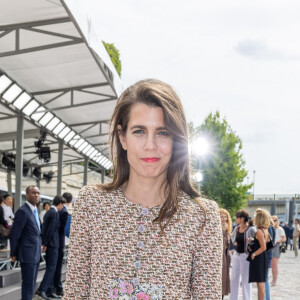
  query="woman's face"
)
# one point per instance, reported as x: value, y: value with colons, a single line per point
x: 224, y: 219
x: 147, y: 142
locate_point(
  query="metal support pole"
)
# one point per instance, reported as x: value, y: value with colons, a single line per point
x: 102, y: 175
x: 9, y: 183
x: 85, y: 171
x: 59, y: 167
x: 19, y: 161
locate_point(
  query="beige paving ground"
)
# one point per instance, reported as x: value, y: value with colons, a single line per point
x: 288, y: 284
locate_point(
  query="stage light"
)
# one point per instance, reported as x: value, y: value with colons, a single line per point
x: 26, y: 168
x: 37, y: 172
x: 48, y: 176
x: 43, y: 151
x: 8, y: 160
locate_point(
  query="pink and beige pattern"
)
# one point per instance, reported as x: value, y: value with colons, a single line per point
x: 117, y: 252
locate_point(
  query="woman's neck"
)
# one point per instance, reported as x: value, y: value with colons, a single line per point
x: 243, y: 226
x: 146, y: 192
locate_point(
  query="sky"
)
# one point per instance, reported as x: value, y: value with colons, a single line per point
x: 241, y: 58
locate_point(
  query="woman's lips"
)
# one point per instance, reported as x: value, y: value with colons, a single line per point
x: 150, y: 159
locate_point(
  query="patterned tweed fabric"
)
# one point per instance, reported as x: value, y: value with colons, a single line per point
x: 117, y: 252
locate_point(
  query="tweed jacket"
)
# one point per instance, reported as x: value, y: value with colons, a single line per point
x: 116, y: 251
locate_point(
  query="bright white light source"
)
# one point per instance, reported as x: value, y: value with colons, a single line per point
x: 64, y: 132
x: 69, y: 136
x: 83, y: 146
x: 12, y: 93
x: 93, y: 154
x: 90, y: 151
x: 99, y: 158
x: 87, y: 149
x: 22, y: 100
x: 36, y: 115
x: 59, y: 128
x: 200, y: 146
x: 79, y: 143
x: 4, y: 83
x: 46, y: 118
x: 199, y: 176
x: 75, y: 140
x: 107, y: 164
x: 30, y: 108
x: 53, y: 123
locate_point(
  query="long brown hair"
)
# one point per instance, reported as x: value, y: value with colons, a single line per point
x: 159, y: 94
x: 229, y: 221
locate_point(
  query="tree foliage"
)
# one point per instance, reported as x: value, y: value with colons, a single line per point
x: 223, y: 169
x: 114, y: 55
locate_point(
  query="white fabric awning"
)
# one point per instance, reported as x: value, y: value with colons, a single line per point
x: 49, y: 50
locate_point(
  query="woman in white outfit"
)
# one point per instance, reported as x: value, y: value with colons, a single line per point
x: 240, y: 266
x: 279, y: 238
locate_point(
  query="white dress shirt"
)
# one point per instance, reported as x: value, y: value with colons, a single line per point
x: 8, y: 214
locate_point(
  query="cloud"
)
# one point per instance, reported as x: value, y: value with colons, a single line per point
x: 260, y: 50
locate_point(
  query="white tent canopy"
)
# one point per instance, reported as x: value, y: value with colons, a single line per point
x: 55, y: 72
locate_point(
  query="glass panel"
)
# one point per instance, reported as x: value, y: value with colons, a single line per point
x: 87, y: 149
x: 94, y: 153
x: 64, y: 132
x: 59, y: 128
x: 83, y: 146
x: 53, y: 123
x: 30, y: 108
x: 22, y: 100
x: 36, y: 115
x: 46, y: 118
x: 79, y: 143
x: 90, y: 151
x: 4, y: 83
x: 69, y: 136
x: 75, y: 140
x: 12, y: 93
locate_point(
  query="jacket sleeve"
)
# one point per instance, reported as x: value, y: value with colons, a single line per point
x: 16, y: 231
x: 48, y: 228
x: 77, y: 284
x: 63, y: 221
x: 206, y: 281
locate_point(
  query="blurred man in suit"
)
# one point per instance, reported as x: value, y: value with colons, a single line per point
x: 25, y: 241
x: 63, y: 218
x: 50, y: 242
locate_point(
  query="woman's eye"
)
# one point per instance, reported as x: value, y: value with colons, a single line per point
x: 163, y: 133
x: 139, y: 131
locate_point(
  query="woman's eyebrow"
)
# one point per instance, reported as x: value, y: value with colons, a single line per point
x: 144, y: 127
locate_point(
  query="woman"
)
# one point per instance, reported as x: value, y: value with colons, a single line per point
x: 240, y: 265
x: 296, y: 234
x: 259, y: 258
x: 226, y: 228
x: 279, y: 238
x: 145, y: 235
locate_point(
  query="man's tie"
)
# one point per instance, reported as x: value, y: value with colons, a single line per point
x: 37, y: 218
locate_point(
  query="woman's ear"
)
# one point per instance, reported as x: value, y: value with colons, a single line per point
x: 122, y: 137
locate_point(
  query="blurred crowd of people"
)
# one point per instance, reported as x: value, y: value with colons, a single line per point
x: 251, y: 247
x: 32, y: 230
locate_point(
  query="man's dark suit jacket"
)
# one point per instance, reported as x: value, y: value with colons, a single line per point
x: 25, y: 236
x: 50, y: 235
x: 63, y: 218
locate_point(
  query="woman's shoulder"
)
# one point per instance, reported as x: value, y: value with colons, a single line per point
x: 93, y: 194
x: 199, y: 208
x: 199, y: 204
